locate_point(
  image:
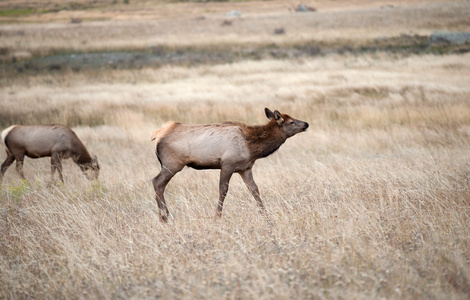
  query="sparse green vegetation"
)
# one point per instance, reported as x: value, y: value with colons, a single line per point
x: 17, y: 191
x: 159, y: 56
x: 16, y: 12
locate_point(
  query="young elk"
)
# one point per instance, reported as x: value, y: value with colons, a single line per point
x: 57, y: 141
x: 231, y: 147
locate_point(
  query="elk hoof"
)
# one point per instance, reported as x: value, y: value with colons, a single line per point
x: 163, y: 218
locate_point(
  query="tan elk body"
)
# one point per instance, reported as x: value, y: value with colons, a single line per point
x: 231, y: 147
x: 36, y: 141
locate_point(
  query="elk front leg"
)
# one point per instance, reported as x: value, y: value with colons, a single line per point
x: 225, y: 175
x: 19, y: 166
x: 247, y: 177
x: 56, y: 164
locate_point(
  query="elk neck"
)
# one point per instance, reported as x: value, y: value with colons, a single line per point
x: 263, y: 140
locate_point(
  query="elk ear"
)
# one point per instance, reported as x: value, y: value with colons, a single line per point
x: 269, y: 113
x: 95, y: 161
x: 278, y: 117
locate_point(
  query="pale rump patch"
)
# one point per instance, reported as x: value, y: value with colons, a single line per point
x: 6, y: 132
x: 159, y: 133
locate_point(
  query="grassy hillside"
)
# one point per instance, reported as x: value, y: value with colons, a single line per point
x: 371, y: 202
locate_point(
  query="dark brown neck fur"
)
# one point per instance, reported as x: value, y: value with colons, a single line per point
x: 263, y: 140
x: 81, y: 155
x: 84, y: 158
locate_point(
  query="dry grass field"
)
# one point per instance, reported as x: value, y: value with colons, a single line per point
x: 371, y: 202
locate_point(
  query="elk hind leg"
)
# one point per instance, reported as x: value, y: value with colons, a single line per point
x: 159, y: 184
x: 6, y: 164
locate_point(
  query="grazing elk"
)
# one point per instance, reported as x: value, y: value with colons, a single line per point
x: 231, y: 147
x: 57, y: 141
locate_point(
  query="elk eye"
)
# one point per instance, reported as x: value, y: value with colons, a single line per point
x: 292, y: 122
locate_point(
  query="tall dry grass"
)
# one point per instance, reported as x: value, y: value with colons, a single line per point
x: 371, y: 202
